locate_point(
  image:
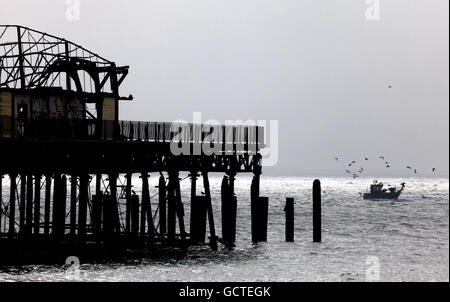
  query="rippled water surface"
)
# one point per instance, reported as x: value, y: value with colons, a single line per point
x: 410, y: 239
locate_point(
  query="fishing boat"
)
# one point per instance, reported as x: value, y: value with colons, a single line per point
x: 377, y: 191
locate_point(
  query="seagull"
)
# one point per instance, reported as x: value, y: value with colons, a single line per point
x: 336, y: 159
x: 387, y: 163
x: 388, y: 166
x: 348, y: 171
x: 434, y: 170
x: 366, y: 158
x: 355, y: 176
x: 382, y: 157
x: 415, y: 171
x: 408, y: 167
x: 350, y: 164
x: 389, y: 86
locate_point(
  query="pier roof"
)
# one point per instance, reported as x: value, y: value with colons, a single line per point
x: 31, y: 59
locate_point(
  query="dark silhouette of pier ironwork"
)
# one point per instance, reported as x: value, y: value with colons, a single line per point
x: 63, y: 151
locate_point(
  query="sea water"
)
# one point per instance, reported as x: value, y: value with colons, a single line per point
x: 404, y: 240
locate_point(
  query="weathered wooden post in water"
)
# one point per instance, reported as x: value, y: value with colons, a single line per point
x: 259, y: 207
x: 289, y: 210
x: 229, y: 210
x: 317, y: 211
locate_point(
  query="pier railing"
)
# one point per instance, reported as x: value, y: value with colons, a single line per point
x: 240, y: 137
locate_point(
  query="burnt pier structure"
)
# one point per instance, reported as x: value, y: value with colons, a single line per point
x: 69, y: 166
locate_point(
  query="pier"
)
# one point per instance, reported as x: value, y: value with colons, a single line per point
x: 67, y: 162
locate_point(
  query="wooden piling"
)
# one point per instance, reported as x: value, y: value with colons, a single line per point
x: 259, y: 212
x: 108, y: 226
x: 171, y: 207
x: 23, y: 188
x: 128, y: 187
x: 229, y: 210
x: 180, y: 211
x: 143, y: 211
x: 12, y: 204
x: 97, y: 201
x: 29, y: 206
x: 1, y: 202
x: 37, y: 204
x: 212, y: 229
x: 289, y: 211
x: 62, y: 208
x: 162, y: 204
x: 148, y: 207
x: 194, y: 208
x: 48, y: 189
x: 317, y: 211
x: 73, y: 204
x: 199, y: 213
x: 56, y: 196
x: 115, y: 203
x: 82, y: 206
x: 59, y: 206
x: 134, y: 215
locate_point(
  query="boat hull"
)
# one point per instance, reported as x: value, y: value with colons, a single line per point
x: 382, y: 195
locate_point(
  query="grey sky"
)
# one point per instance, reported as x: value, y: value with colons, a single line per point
x: 319, y: 67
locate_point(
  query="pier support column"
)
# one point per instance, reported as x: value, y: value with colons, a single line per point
x: 59, y: 207
x: 289, y: 210
x: 29, y: 206
x: 143, y: 212
x: 162, y: 205
x: 128, y: 187
x: 115, y: 203
x: 212, y: 229
x: 193, y: 176
x: 171, y: 207
x: 180, y: 211
x: 62, y: 208
x: 134, y: 215
x: 229, y: 210
x: 37, y: 204
x: 48, y: 190
x: 97, y: 201
x: 199, y: 214
x: 148, y: 207
x: 73, y: 205
x: 23, y: 189
x: 317, y: 211
x: 82, y: 206
x: 259, y: 207
x: 1, y: 202
x: 12, y: 204
x: 199, y: 210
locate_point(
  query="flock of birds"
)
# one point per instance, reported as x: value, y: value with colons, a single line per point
x: 382, y: 158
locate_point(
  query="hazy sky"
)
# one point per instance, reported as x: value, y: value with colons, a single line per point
x: 318, y: 67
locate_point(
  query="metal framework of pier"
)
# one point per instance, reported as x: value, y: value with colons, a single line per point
x: 67, y: 162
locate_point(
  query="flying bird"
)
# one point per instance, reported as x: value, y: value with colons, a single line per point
x: 366, y: 158
x: 408, y: 167
x: 434, y: 170
x: 382, y: 157
x: 350, y: 164
x: 336, y: 159
x: 348, y: 171
x: 415, y: 171
x: 388, y: 166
